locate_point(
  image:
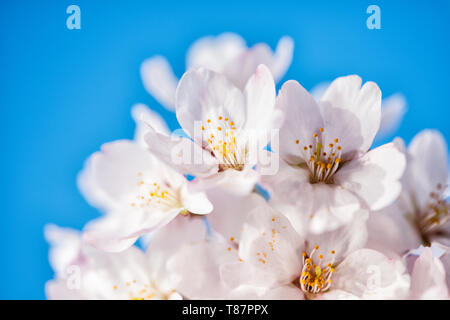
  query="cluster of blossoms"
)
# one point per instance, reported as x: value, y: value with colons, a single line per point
x: 264, y: 195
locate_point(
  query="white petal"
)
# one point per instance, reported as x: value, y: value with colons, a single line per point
x: 428, y: 278
x: 391, y: 232
x: 269, y: 242
x: 143, y: 115
x: 181, y: 153
x: 239, y: 69
x: 203, y: 94
x: 232, y: 181
x: 166, y: 241
x: 283, y: 57
x: 195, y: 202
x: 116, y: 232
x: 65, y: 247
x: 352, y: 113
x: 342, y: 241
x: 230, y: 211
x: 370, y: 275
x: 195, y: 269
x: 375, y: 176
x: 214, y: 53
x: 260, y: 97
x: 159, y: 80
x: 109, y: 178
x: 429, y: 163
x: 302, y: 118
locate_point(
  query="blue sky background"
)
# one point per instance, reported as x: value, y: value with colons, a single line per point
x: 65, y: 92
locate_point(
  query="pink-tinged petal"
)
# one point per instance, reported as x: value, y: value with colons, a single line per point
x: 282, y: 58
x: 391, y: 231
x: 215, y: 52
x: 205, y: 95
x: 429, y: 164
x: 143, y: 116
x: 311, y: 208
x: 58, y: 290
x: 231, y: 211
x: 302, y: 118
x: 375, y: 176
x: 110, y: 176
x: 428, y: 278
x: 232, y: 181
x: 247, y: 292
x: 369, y: 274
x: 351, y: 113
x: 269, y: 242
x: 166, y: 241
x: 336, y: 294
x: 181, y: 153
x: 116, y: 232
x: 195, y: 202
x: 195, y: 269
x: 239, y: 69
x: 393, y: 108
x: 65, y: 247
x: 159, y: 80
x: 260, y: 98
x: 335, y: 245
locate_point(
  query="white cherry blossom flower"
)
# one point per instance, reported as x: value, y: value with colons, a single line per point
x: 137, y: 192
x: 229, y: 128
x: 226, y: 53
x: 272, y: 261
x: 83, y: 272
x: 328, y: 172
x: 421, y: 213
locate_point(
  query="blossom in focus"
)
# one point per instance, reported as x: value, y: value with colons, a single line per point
x: 421, y: 213
x: 227, y: 54
x: 137, y: 191
x: 84, y: 273
x: 228, y: 128
x: 272, y: 261
x: 327, y: 173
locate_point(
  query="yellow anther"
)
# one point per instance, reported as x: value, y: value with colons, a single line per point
x: 203, y: 128
x: 297, y: 141
x: 337, y: 160
x: 336, y: 140
x: 209, y: 120
x: 321, y: 129
x: 315, y: 135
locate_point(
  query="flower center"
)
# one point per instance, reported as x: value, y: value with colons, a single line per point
x: 322, y: 158
x: 437, y: 210
x: 155, y: 195
x: 316, y: 275
x: 220, y: 136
